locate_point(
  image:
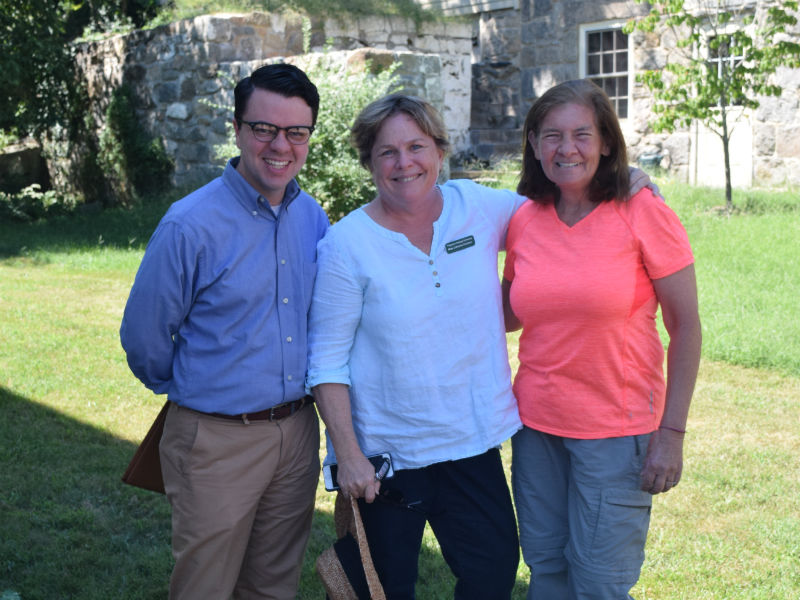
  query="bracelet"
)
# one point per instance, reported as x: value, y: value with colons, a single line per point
x: 675, y: 429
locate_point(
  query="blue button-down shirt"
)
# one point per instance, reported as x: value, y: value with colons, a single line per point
x: 217, y: 316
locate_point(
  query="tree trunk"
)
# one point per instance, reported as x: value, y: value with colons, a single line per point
x: 726, y: 139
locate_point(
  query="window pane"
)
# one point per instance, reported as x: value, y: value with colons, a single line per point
x: 593, y: 42
x: 593, y: 65
x: 622, y: 61
x: 608, y: 41
x: 608, y: 63
x: 621, y: 40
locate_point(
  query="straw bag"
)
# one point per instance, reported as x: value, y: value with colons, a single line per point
x: 346, y: 568
x: 144, y: 470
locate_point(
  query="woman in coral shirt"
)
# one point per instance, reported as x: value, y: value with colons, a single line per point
x: 584, y: 274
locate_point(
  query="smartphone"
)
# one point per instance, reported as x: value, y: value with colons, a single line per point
x: 381, y: 462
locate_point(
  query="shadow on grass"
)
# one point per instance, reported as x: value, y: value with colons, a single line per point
x: 69, y: 527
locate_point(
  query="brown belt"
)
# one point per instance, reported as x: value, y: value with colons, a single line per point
x: 276, y: 413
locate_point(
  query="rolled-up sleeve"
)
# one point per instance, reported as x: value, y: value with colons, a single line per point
x: 336, y: 308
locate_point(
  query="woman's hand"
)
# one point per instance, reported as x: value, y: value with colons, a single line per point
x: 663, y: 464
x: 355, y: 474
x: 639, y: 179
x: 356, y: 478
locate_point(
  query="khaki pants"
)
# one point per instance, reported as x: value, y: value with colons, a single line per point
x: 242, y: 500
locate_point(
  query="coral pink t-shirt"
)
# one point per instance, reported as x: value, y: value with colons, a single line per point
x: 590, y: 355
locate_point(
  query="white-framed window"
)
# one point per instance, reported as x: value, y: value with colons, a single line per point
x: 606, y: 59
x: 722, y: 58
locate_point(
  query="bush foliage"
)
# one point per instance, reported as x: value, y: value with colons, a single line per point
x: 135, y: 163
x: 32, y: 204
x: 37, y: 87
x: 333, y: 173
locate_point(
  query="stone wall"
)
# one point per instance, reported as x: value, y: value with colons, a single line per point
x: 776, y: 134
x: 498, y: 111
x: 772, y: 155
x: 520, y: 52
x: 183, y: 75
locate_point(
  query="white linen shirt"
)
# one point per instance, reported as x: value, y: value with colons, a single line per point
x: 419, y: 338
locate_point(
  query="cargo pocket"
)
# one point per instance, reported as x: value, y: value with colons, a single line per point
x: 622, y: 529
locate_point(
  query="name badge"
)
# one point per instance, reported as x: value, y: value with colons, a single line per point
x: 462, y: 244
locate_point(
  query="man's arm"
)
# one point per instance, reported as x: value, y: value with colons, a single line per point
x: 156, y: 306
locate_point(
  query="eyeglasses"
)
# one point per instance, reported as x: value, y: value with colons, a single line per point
x: 266, y: 132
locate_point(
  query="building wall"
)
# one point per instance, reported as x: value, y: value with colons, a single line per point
x: 520, y: 51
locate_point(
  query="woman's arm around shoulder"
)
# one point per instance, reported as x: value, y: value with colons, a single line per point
x: 640, y: 180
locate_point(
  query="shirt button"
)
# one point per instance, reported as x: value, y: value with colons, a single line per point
x: 283, y: 261
x: 289, y: 377
x: 289, y: 339
x: 255, y: 213
x: 286, y: 301
x: 438, y: 285
x: 430, y: 262
x: 436, y: 272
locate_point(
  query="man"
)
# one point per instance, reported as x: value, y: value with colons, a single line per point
x: 216, y: 319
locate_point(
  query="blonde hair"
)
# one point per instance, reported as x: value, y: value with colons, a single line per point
x: 370, y: 120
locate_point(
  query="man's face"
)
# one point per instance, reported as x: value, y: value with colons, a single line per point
x: 270, y: 166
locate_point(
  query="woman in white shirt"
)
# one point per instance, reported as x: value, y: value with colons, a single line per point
x: 408, y: 356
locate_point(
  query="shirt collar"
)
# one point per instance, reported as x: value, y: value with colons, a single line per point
x: 247, y: 195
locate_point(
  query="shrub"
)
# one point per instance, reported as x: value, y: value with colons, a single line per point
x: 31, y: 204
x: 134, y: 163
x: 333, y: 173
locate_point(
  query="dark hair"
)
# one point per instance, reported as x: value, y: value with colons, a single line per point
x: 612, y: 179
x: 281, y: 78
x: 370, y: 120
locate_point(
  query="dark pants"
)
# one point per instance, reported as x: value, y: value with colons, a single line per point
x: 468, y: 506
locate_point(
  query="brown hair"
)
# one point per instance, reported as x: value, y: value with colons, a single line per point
x: 612, y: 179
x: 370, y: 120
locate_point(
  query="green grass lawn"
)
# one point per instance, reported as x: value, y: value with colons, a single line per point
x: 73, y: 415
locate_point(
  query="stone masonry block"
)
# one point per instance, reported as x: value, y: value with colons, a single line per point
x: 179, y: 111
x: 788, y: 143
x: 213, y: 29
x: 764, y: 141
